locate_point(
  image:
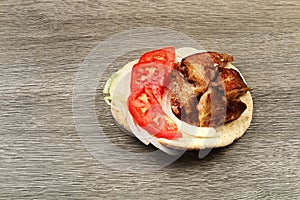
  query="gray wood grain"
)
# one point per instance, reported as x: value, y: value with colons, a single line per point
x: 42, y: 44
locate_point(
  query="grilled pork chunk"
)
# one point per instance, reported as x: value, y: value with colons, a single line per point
x: 183, y: 99
x: 199, y: 69
x: 209, y: 59
x: 215, y: 109
x: 233, y: 83
x: 196, y: 74
x: 204, y: 92
x: 235, y: 109
x: 212, y: 106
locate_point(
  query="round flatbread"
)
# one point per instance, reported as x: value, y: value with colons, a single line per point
x: 119, y: 90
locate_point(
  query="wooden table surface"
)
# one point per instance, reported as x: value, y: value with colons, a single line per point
x: 43, y: 43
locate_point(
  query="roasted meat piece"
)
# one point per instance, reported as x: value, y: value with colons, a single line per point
x: 196, y: 74
x: 204, y: 76
x: 212, y: 107
x: 233, y: 83
x: 215, y: 110
x: 209, y: 59
x: 199, y: 69
x: 235, y: 109
x: 183, y: 99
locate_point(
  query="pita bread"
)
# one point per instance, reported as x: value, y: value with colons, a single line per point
x: 227, y: 133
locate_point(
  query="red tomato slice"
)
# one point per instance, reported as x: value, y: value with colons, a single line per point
x: 149, y: 79
x: 153, y: 73
x: 157, y: 91
x: 165, y: 56
x: 161, y: 125
x: 168, y: 135
x: 147, y: 113
x: 139, y: 103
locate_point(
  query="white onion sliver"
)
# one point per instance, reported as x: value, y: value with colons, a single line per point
x: 139, y: 134
x: 144, y: 136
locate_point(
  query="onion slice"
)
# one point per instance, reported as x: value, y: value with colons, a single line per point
x: 146, y: 138
x: 141, y: 135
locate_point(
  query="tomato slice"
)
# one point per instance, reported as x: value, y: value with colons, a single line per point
x: 158, y: 92
x: 165, y: 56
x: 149, y: 78
x: 161, y: 126
x: 147, y: 113
x: 139, y: 103
x: 168, y: 135
x: 154, y: 67
x: 153, y: 73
